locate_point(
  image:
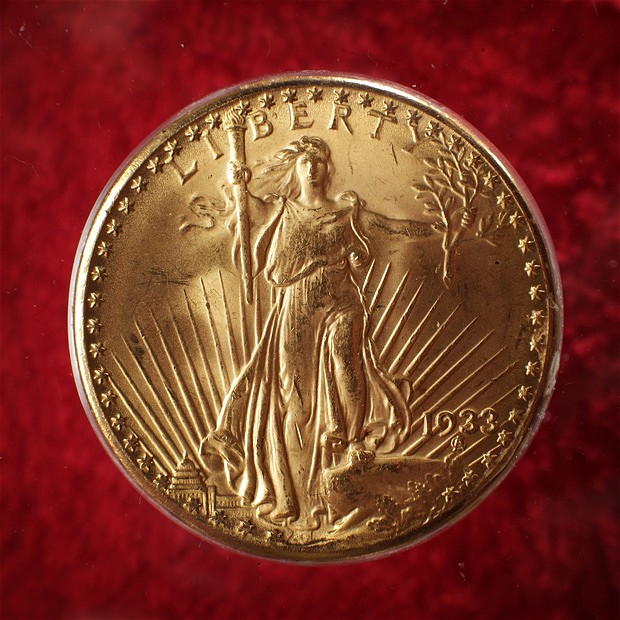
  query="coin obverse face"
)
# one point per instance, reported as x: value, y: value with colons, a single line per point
x: 315, y: 317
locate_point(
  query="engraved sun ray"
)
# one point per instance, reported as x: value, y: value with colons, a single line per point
x: 166, y: 455
x: 438, y: 449
x: 444, y: 444
x: 390, y: 306
x: 467, y: 450
x: 171, y: 396
x: 177, y: 448
x: 489, y: 383
x: 398, y: 327
x: 417, y: 443
x: 190, y: 420
x: 216, y: 340
x: 426, y: 346
x: 487, y: 458
x: 379, y: 288
x: 198, y: 421
x: 438, y: 382
x: 398, y: 360
x: 368, y: 276
x: 504, y: 396
x: 441, y: 355
x: 216, y: 398
x: 481, y: 457
x: 475, y: 445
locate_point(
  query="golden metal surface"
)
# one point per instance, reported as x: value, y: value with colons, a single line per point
x: 315, y: 317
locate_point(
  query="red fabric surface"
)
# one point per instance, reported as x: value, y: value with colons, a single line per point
x: 83, y: 83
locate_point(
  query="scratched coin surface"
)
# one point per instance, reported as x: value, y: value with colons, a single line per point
x: 315, y: 317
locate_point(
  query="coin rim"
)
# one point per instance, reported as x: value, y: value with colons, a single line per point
x: 125, y: 172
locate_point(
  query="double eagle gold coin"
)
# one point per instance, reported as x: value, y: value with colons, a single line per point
x: 315, y: 317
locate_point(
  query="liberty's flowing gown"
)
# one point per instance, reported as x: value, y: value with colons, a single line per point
x: 313, y: 380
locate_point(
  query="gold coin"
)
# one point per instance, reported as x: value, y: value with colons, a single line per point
x: 315, y: 317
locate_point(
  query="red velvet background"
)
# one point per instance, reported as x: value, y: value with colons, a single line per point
x: 84, y: 82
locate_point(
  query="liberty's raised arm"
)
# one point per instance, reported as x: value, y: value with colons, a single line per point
x: 372, y: 223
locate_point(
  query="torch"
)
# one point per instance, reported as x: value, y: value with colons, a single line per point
x: 239, y: 176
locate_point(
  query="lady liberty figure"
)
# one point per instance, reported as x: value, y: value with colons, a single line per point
x: 313, y: 387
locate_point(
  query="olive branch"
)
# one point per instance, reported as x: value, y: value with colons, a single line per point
x: 450, y: 190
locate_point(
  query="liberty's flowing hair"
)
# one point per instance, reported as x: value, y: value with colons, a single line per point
x: 277, y: 175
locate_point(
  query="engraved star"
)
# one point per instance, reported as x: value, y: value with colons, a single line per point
x: 138, y: 184
x: 448, y: 494
x: 389, y: 107
x: 433, y: 130
x: 315, y: 94
x: 514, y: 416
x: 476, y: 159
x: 504, y: 438
x: 488, y: 458
x: 267, y: 102
x: 524, y: 392
x: 145, y: 462
x: 219, y: 518
x: 488, y: 180
x: 98, y: 273
x: 365, y: 100
x: 524, y: 244
x: 113, y: 228
x: 469, y: 477
x: 100, y: 375
x: 514, y: 220
x: 103, y: 249
x: 531, y: 368
x: 501, y: 200
x: 458, y: 144
x: 275, y: 536
x: 531, y: 267
x: 155, y: 165
x: 289, y: 95
x: 535, y: 292
x: 213, y: 121
x: 96, y: 349
x: 536, y: 317
x: 131, y: 443
x: 193, y: 505
x: 413, y: 118
x: 125, y: 206
x: 107, y: 398
x: 117, y: 422
x: 536, y: 341
x: 172, y: 149
x: 94, y: 300
x: 193, y: 133
x: 246, y: 527
x: 162, y: 481
x: 342, y: 96
x: 244, y: 108
x: 93, y: 326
